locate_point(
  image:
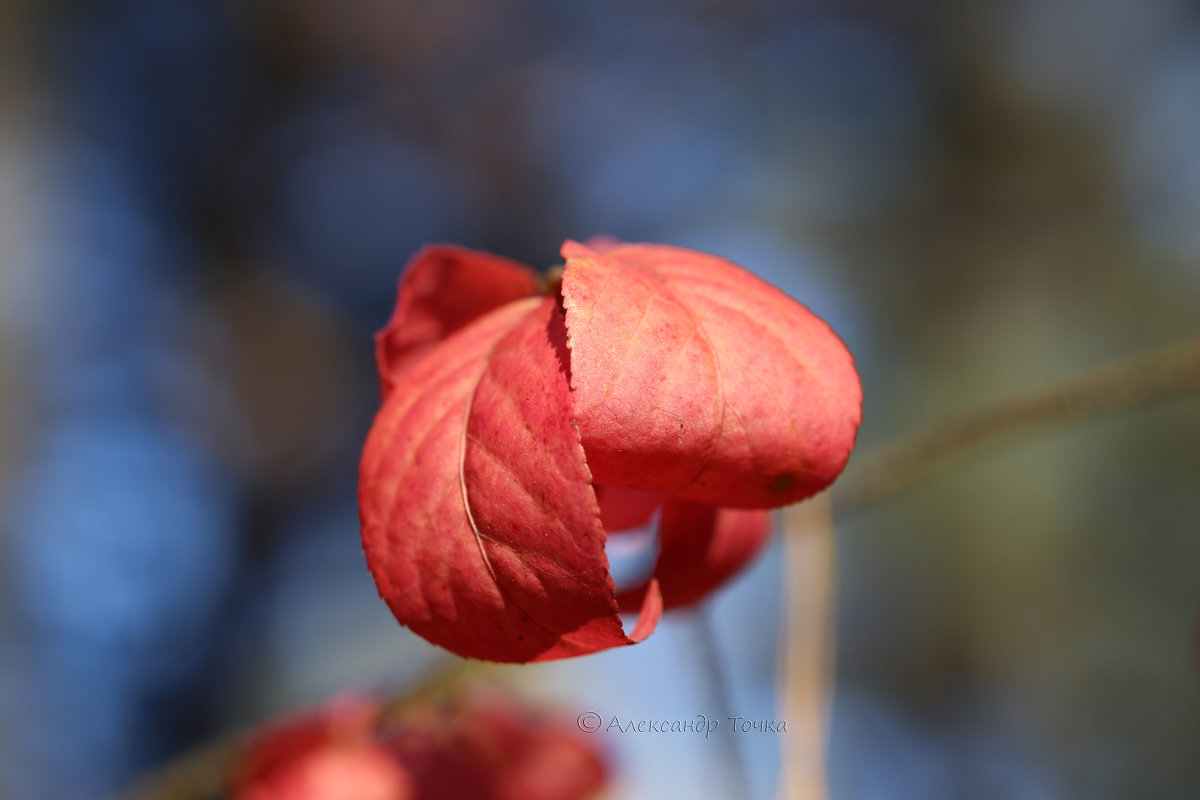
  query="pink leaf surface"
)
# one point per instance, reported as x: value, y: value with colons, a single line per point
x: 443, y: 289
x: 695, y: 378
x: 478, y: 516
x: 622, y: 508
x: 702, y: 547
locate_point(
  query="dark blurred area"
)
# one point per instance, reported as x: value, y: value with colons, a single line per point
x: 204, y: 208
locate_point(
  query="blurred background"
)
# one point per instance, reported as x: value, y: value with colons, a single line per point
x: 204, y: 208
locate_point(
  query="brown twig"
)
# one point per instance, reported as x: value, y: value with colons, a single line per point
x: 1140, y: 381
x: 198, y: 774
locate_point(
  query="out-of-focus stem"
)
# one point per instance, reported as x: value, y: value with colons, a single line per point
x: 806, y: 647
x: 198, y: 774
x: 717, y: 685
x: 1140, y: 381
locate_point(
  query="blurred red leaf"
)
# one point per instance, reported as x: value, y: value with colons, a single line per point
x: 481, y: 748
x: 328, y: 754
x: 495, y: 749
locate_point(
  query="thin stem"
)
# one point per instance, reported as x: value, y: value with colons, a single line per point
x: 806, y: 659
x: 199, y: 774
x: 720, y: 691
x: 1140, y: 381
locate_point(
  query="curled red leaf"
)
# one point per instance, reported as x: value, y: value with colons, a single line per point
x: 444, y: 288
x: 479, y: 519
x: 695, y: 378
x: 667, y: 376
x: 701, y: 547
x: 622, y: 508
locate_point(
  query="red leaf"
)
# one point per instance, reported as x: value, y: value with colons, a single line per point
x: 622, y: 508
x: 702, y: 547
x: 494, y: 749
x: 687, y: 379
x: 443, y: 289
x: 328, y: 754
x: 483, y: 747
x: 693, y: 377
x: 478, y: 516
